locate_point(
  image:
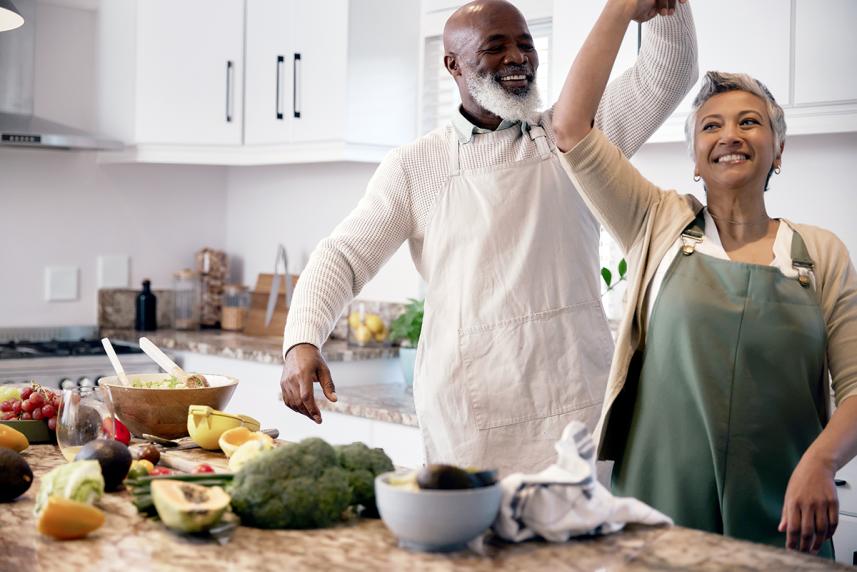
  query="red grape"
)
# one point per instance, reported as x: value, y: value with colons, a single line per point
x: 52, y: 423
x: 27, y: 406
x: 26, y: 416
x: 6, y: 406
x: 49, y: 410
x: 16, y: 407
x: 8, y: 416
x: 37, y: 399
x: 37, y: 413
x: 25, y: 393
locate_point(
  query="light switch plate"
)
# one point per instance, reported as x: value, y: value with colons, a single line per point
x: 113, y: 271
x: 61, y: 283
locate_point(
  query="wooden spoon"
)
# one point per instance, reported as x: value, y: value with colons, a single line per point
x: 171, y: 367
x: 114, y: 361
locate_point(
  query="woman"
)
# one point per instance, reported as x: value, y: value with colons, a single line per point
x: 717, y: 408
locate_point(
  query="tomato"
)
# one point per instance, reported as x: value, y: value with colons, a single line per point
x: 159, y: 471
x: 203, y: 468
x: 122, y: 433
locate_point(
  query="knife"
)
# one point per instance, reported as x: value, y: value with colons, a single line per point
x: 275, y: 284
x: 186, y: 443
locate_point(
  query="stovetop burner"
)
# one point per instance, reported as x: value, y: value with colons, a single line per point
x: 57, y: 348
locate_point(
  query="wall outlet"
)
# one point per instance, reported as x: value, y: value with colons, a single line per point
x: 113, y: 271
x: 61, y: 283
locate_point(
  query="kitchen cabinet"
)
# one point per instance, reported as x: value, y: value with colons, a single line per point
x: 170, y: 72
x: 825, y: 51
x: 307, y: 82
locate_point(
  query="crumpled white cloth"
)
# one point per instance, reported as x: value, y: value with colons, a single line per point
x: 566, y: 499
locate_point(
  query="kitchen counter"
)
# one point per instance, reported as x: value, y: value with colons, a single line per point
x: 128, y: 542
x: 239, y: 346
x: 390, y: 402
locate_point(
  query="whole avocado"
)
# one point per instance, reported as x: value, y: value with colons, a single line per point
x: 15, y: 475
x: 443, y: 477
x: 114, y: 458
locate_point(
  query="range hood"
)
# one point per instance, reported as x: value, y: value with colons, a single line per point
x: 18, y: 126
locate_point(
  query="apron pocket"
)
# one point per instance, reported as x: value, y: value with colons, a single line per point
x: 536, y: 366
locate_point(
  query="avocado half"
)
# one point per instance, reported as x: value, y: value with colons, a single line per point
x: 187, y: 507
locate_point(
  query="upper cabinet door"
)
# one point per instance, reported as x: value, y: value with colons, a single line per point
x: 825, y: 51
x: 743, y: 37
x: 269, y: 58
x: 189, y: 71
x: 319, y: 67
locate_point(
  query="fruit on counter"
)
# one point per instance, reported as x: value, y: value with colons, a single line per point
x: 32, y: 403
x: 202, y: 469
x: 80, y: 481
x: 8, y: 392
x: 302, y: 485
x: 65, y: 519
x: 113, y: 457
x: 231, y: 439
x: 367, y: 327
x: 13, y: 439
x: 443, y: 477
x: 363, y: 465
x: 188, y: 507
x: 146, y: 452
x: 141, y: 488
x: 205, y: 425
x: 121, y: 432
x: 137, y: 470
x: 248, y: 451
x: 160, y: 472
x: 147, y: 464
x: 15, y: 475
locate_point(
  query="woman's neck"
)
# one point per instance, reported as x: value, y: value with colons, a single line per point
x: 741, y: 219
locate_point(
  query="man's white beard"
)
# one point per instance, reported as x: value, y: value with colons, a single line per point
x: 493, y: 97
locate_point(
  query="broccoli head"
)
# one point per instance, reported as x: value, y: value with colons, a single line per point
x: 363, y: 465
x: 294, y: 486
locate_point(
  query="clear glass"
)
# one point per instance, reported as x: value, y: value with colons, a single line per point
x: 236, y: 301
x: 85, y: 414
x: 187, y: 300
x: 369, y: 324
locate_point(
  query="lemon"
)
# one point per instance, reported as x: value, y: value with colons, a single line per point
x: 354, y: 320
x: 381, y: 336
x: 375, y: 323
x: 362, y: 334
x: 246, y: 452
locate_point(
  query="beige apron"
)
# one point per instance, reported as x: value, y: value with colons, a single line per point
x: 514, y: 343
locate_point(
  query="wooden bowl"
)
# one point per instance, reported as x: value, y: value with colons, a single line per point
x: 163, y: 412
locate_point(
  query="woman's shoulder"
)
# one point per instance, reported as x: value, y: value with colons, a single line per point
x: 825, y: 248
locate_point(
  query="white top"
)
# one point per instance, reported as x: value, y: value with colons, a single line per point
x: 712, y: 246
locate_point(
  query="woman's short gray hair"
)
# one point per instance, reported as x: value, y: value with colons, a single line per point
x: 720, y: 82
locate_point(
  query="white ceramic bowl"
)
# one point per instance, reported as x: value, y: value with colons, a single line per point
x: 435, y: 520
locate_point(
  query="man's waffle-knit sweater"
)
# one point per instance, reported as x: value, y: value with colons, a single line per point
x: 401, y: 194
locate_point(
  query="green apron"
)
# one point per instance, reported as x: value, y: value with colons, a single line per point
x: 729, y: 393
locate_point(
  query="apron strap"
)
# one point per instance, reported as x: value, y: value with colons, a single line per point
x: 454, y: 157
x: 693, y: 234
x: 540, y: 138
x: 801, y: 260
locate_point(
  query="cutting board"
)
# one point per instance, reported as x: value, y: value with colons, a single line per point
x: 255, y: 323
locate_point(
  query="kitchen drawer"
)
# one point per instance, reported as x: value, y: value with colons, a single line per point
x: 848, y: 490
x: 845, y: 540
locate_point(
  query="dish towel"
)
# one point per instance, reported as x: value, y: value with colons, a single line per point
x: 566, y: 499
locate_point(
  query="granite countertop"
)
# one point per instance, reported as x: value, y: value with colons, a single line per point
x: 390, y: 402
x: 127, y: 542
x: 240, y: 346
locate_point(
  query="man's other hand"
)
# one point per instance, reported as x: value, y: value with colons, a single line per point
x: 303, y: 367
x: 645, y: 10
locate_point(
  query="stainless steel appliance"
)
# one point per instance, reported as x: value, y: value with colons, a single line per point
x: 63, y: 357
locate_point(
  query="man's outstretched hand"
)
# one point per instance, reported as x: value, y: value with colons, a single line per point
x: 645, y: 10
x: 303, y: 367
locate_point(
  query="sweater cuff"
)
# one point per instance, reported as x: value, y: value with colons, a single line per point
x: 302, y: 331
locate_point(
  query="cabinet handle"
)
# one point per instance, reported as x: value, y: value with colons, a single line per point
x: 296, y: 90
x: 279, y: 107
x: 229, y: 87
x: 840, y: 482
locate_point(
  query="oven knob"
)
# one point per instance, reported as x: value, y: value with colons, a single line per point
x: 66, y: 383
x: 85, y: 382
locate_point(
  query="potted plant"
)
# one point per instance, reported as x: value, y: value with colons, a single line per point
x: 406, y: 330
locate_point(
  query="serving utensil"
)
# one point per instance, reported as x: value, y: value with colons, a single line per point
x: 114, y: 361
x: 171, y: 367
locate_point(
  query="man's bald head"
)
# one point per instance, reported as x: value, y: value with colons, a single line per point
x: 489, y: 52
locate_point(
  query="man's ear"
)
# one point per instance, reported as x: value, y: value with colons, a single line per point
x: 451, y: 65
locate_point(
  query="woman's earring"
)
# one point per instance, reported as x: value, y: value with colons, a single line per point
x: 696, y: 178
x: 777, y: 170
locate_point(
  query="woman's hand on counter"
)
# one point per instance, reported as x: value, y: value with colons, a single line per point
x: 303, y: 367
x: 811, y: 506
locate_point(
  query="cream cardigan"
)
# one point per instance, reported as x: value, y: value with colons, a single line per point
x: 646, y: 220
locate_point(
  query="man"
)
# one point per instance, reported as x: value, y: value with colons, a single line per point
x: 514, y: 342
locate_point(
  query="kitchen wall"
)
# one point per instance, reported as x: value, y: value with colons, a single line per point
x: 62, y: 208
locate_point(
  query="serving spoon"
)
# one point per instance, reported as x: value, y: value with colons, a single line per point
x: 114, y: 361
x: 171, y: 367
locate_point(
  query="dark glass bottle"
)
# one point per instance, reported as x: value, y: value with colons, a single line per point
x: 147, y: 309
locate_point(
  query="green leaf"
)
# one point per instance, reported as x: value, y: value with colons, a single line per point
x: 408, y: 325
x: 607, y: 275
x: 623, y: 268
